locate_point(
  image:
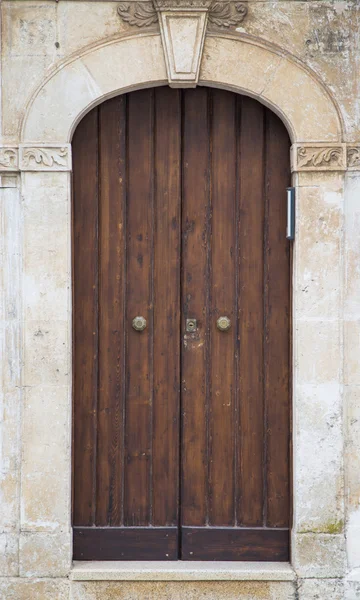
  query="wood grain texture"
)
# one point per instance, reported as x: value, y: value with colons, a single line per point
x: 196, y: 216
x: 86, y: 289
x: 222, y: 301
x: 277, y: 327
x: 112, y: 287
x: 235, y: 543
x: 139, y: 281
x: 251, y: 153
x: 167, y: 210
x: 125, y: 543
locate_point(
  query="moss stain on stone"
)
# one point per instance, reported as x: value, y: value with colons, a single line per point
x: 330, y: 527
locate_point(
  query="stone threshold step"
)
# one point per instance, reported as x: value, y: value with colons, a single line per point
x: 181, y: 571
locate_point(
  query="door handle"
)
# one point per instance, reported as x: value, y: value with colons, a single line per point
x: 223, y: 323
x: 139, y: 323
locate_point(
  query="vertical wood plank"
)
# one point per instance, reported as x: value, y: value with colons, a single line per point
x: 277, y: 325
x: 251, y: 290
x: 85, y: 315
x: 139, y: 352
x: 112, y: 172
x: 222, y: 303
x: 195, y: 242
x: 167, y: 201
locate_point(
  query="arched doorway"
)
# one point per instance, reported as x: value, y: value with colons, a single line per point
x: 181, y: 418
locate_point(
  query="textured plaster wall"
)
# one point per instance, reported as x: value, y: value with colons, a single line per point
x: 303, y: 59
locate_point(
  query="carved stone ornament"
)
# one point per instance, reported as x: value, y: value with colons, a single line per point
x: 183, y: 26
x: 45, y: 158
x: 141, y: 14
x: 220, y: 14
x: 318, y: 157
x: 8, y: 159
x: 353, y: 158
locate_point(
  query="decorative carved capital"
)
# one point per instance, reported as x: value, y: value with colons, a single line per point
x: 55, y: 157
x: 183, y: 26
x: 318, y: 157
x: 353, y: 158
x: 8, y: 159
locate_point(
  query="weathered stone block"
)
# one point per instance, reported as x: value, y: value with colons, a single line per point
x: 44, y: 554
x: 40, y: 589
x: 319, y: 555
x: 45, y: 473
x: 46, y: 353
x: 321, y: 589
x: 9, y: 554
x: 318, y: 477
x: 184, y: 590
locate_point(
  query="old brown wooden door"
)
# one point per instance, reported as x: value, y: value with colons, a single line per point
x: 181, y: 438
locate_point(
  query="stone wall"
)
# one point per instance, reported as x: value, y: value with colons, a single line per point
x: 59, y: 59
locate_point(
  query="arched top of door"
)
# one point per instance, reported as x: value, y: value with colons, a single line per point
x: 241, y: 64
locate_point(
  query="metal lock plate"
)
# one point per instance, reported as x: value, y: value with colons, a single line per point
x: 191, y: 325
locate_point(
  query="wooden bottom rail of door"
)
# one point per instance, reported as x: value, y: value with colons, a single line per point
x: 125, y: 543
x: 234, y: 543
x: 197, y: 543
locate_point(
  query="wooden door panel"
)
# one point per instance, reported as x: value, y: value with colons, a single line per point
x: 126, y: 543
x: 236, y: 383
x: 126, y: 422
x: 235, y: 543
x: 179, y: 213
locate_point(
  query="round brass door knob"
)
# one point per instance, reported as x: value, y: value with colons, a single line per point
x: 139, y: 323
x: 223, y: 323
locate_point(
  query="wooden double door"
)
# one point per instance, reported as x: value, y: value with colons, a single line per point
x: 181, y: 282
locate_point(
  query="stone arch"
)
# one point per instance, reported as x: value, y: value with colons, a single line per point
x: 237, y: 63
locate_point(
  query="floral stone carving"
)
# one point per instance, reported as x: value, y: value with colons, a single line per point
x: 318, y: 157
x: 220, y: 14
x: 141, y: 14
x: 49, y: 158
x: 8, y: 159
x: 353, y: 157
x: 226, y: 14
